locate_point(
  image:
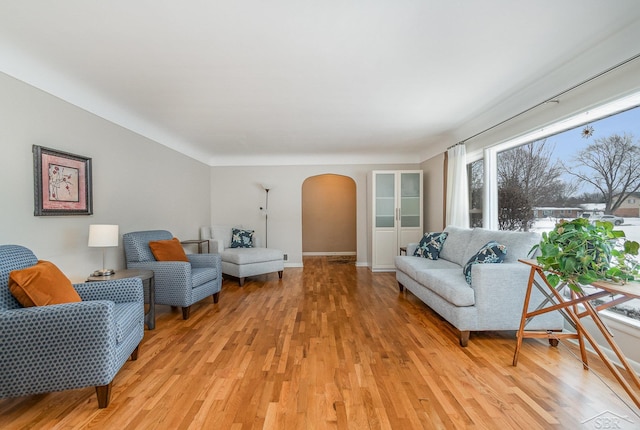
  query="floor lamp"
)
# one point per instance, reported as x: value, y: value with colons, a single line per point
x: 265, y: 211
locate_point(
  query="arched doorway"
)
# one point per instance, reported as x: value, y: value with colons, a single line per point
x: 329, y: 215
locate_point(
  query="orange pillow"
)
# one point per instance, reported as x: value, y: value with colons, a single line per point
x: 40, y: 285
x: 168, y: 250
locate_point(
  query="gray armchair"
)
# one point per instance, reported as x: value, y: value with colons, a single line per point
x: 177, y: 283
x: 71, y: 345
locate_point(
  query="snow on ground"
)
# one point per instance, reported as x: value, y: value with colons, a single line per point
x: 631, y: 226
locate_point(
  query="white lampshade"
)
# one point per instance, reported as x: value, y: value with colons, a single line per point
x: 103, y: 235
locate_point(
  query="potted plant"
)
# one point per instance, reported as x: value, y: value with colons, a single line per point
x: 579, y: 252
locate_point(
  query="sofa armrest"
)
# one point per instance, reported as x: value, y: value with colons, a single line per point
x: 500, y: 290
x: 56, y: 341
x: 205, y: 260
x: 499, y: 285
x: 411, y: 247
x: 58, y: 332
x: 216, y: 246
x: 117, y: 291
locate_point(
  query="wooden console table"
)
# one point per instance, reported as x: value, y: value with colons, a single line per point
x: 569, y: 309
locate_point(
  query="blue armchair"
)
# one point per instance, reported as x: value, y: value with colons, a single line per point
x: 71, y: 345
x: 178, y: 283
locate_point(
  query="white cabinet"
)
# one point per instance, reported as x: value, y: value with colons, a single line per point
x: 395, y: 214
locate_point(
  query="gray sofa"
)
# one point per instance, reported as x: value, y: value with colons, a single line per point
x: 495, y: 298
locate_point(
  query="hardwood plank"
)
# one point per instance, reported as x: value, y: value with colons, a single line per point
x: 330, y: 346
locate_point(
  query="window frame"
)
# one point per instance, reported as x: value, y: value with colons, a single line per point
x: 489, y: 154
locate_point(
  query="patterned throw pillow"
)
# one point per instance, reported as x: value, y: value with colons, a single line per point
x: 492, y: 252
x: 241, y: 238
x: 430, y: 245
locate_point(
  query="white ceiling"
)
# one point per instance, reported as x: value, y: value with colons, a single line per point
x: 248, y: 82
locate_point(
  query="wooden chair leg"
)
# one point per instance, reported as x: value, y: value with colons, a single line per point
x: 400, y: 287
x: 241, y: 281
x: 134, y: 354
x: 216, y: 297
x: 464, y: 338
x: 186, y: 311
x: 280, y: 274
x: 104, y: 395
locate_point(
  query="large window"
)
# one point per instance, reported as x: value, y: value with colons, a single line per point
x: 584, y: 169
x: 475, y: 176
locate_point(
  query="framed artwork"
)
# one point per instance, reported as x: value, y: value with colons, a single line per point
x: 62, y: 183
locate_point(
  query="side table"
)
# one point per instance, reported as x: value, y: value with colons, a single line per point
x: 573, y: 315
x: 200, y: 243
x: 148, y: 283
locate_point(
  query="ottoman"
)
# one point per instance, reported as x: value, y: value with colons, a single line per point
x: 243, y: 262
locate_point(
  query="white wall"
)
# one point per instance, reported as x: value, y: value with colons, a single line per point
x: 237, y: 195
x: 137, y: 184
x: 433, y: 198
x: 616, y: 84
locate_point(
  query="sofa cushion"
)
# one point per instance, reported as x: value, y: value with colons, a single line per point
x: 411, y: 265
x: 40, y: 285
x: 430, y: 245
x: 448, y: 284
x: 250, y: 255
x: 168, y: 250
x: 202, y: 275
x: 241, y: 238
x: 455, y: 247
x: 491, y: 252
x: 518, y: 243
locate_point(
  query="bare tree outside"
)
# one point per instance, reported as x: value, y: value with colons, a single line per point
x: 475, y: 175
x: 527, y: 177
x: 610, y: 164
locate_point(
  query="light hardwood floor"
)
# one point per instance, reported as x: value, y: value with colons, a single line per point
x: 330, y: 346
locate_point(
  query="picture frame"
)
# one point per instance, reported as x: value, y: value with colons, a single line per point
x: 62, y: 183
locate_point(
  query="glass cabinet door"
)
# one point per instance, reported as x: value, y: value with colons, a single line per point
x: 410, y: 200
x: 385, y: 200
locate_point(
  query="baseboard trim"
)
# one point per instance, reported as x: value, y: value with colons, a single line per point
x: 293, y: 265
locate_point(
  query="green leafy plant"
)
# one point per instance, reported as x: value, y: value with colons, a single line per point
x: 579, y: 253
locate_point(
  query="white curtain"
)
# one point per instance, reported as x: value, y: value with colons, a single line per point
x: 457, y: 187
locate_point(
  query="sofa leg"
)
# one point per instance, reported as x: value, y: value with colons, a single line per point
x: 400, y: 287
x: 280, y: 274
x: 464, y: 338
x: 554, y: 341
x: 186, y: 311
x: 216, y: 297
x: 241, y: 281
x: 104, y: 395
x: 134, y: 354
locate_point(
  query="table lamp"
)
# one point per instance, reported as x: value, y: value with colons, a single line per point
x: 103, y: 236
